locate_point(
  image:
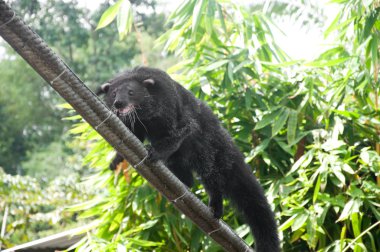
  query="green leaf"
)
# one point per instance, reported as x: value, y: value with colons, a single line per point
x: 292, y: 126
x: 332, y: 26
x: 248, y: 98
x: 348, y: 169
x: 109, y: 15
x: 230, y: 72
x: 299, y: 221
x: 124, y: 19
x: 258, y: 150
x: 72, y: 118
x: 209, y: 17
x: 356, y: 224
x: 145, y: 243
x: 221, y: 17
x: 288, y: 223
x: 267, y: 119
x: 183, y: 11
x: 215, y: 65
x: 327, y: 63
x: 317, y: 188
x: 374, y: 49
x: 283, y: 145
x: 86, y: 205
x: 369, y: 22
x: 348, y: 114
x: 79, y: 128
x: 299, y: 137
x: 339, y: 175
x: 346, y: 210
x: 65, y: 106
x: 304, y: 161
x: 198, y: 13
x: 280, y: 122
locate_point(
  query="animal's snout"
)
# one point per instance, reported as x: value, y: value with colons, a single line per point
x: 118, y: 104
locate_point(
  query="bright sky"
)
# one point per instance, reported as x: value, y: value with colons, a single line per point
x: 298, y: 43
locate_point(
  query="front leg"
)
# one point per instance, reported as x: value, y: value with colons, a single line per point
x: 165, y: 147
x: 140, y: 133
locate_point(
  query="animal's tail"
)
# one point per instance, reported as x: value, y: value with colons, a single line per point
x: 247, y: 194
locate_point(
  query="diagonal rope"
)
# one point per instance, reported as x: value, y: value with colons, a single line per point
x: 50, y: 67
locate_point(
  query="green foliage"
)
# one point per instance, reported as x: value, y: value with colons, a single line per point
x: 35, y: 209
x: 123, y: 11
x: 28, y: 116
x: 31, y: 127
x: 59, y: 158
x: 310, y: 130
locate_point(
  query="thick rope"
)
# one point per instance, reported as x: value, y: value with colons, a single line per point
x: 37, y: 53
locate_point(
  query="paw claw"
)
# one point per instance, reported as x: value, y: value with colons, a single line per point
x: 152, y: 154
x: 217, y: 213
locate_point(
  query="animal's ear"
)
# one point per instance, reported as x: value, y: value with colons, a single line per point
x: 148, y: 82
x: 103, y: 89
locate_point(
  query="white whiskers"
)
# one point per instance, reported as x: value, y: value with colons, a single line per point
x: 129, y: 118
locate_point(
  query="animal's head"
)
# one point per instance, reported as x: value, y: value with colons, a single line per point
x: 124, y: 94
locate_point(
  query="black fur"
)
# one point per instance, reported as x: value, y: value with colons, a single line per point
x: 187, y: 136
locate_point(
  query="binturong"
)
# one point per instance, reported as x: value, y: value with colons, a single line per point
x: 185, y: 134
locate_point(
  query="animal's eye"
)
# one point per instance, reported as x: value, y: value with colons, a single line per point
x: 113, y: 94
x: 130, y: 92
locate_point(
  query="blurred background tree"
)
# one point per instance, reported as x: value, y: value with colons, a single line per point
x: 34, y: 140
x: 309, y: 128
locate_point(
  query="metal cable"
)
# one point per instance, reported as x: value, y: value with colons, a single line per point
x: 47, y: 64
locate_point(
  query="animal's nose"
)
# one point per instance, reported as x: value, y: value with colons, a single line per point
x: 118, y: 104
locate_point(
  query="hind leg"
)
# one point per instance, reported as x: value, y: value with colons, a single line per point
x: 215, y: 194
x: 181, y: 171
x: 185, y: 175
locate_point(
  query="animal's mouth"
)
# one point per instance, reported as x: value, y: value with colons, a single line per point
x: 125, y: 110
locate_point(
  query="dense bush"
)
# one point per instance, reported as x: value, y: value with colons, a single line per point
x: 310, y: 131
x: 32, y: 209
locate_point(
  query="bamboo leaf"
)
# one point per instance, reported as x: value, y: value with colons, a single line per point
x: 288, y: 223
x: 369, y: 22
x: 280, y: 122
x: 332, y: 26
x: 346, y: 210
x: 109, y: 15
x: 317, y: 188
x: 292, y: 126
x: 374, y: 49
x: 198, y: 13
x: 327, y: 63
x: 221, y: 17
x: 267, y: 119
x: 355, y: 222
x: 248, y: 98
x: 215, y: 65
x: 299, y: 221
x: 124, y: 19
x: 304, y: 161
x: 260, y: 148
x: 209, y: 17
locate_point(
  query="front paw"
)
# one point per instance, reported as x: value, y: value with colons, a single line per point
x: 217, y: 212
x: 153, y: 155
x: 216, y: 207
